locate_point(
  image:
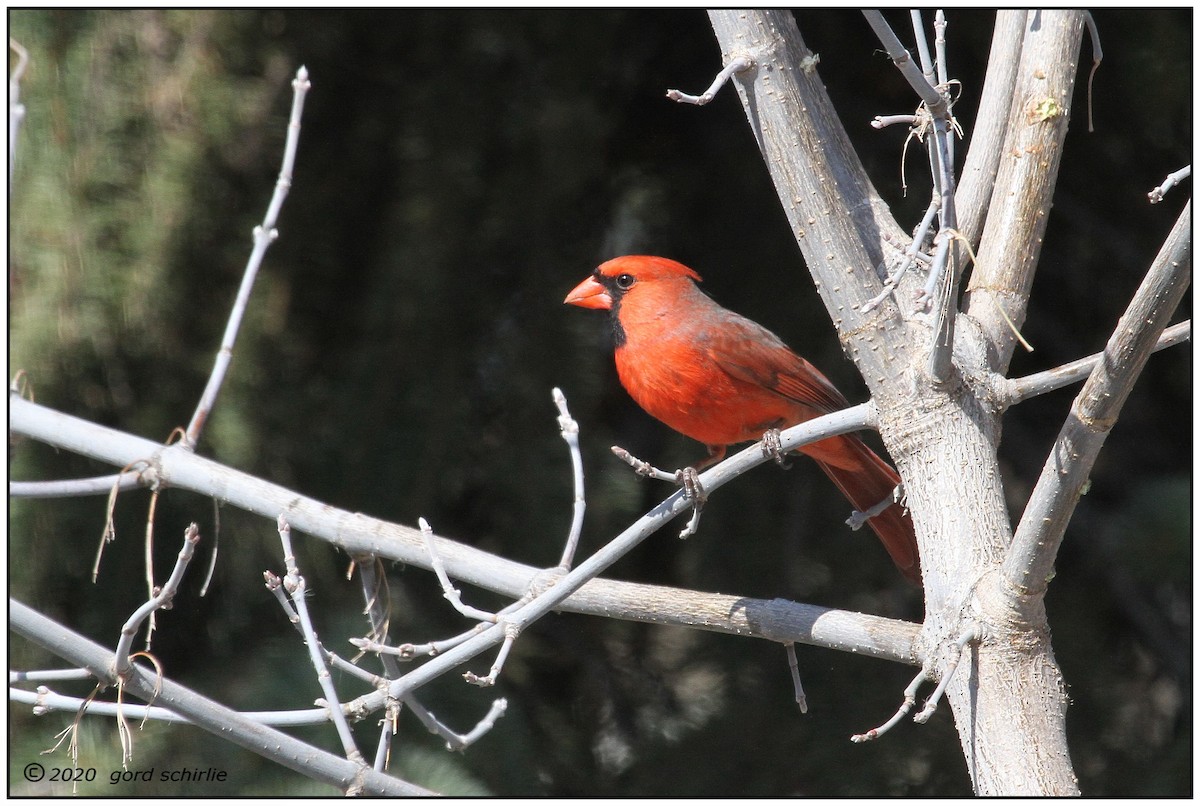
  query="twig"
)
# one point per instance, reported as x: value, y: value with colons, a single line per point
x: 883, y: 121
x: 570, y: 434
x: 910, y: 699
x: 943, y: 78
x: 451, y: 593
x: 922, y: 44
x: 967, y: 636
x: 409, y: 651
x: 216, y: 542
x: 794, y: 667
x: 642, y: 468
x: 457, y: 742
x: 511, y: 632
x: 45, y: 701
x: 858, y: 519
x: 377, y: 615
x: 1097, y: 57
x: 40, y: 675
x: 387, y: 732
x: 148, y: 549
x: 264, y: 235
x: 910, y: 693
x: 74, y: 488
x: 161, y: 599
x: 903, y: 61
x: 1171, y: 181
x: 483, y: 726
x: 945, y: 274
x: 275, y: 586
x: 95, y: 485
x: 736, y: 65
x: 909, y: 256
x: 294, y: 584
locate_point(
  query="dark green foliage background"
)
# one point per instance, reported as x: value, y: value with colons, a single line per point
x: 458, y: 173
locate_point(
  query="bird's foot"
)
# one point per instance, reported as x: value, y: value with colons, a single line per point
x: 689, y: 480
x: 771, y: 447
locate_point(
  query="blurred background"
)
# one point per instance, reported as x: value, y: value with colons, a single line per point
x: 458, y: 173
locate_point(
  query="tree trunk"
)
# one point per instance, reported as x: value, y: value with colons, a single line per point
x: 1007, y: 694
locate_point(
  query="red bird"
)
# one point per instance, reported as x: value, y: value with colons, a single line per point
x: 721, y: 379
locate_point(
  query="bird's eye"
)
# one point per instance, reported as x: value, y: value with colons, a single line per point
x: 625, y: 281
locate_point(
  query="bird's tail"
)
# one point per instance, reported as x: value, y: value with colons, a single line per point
x: 866, y: 480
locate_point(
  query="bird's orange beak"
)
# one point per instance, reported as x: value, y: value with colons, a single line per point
x: 590, y: 294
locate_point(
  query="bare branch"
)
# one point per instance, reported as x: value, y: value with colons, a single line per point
x: 75, y: 488
x: 40, y: 675
x: 295, y: 586
x: 203, y: 712
x: 1097, y: 57
x: 570, y: 434
x: 969, y: 635
x: 1030, y: 560
x: 1171, y: 181
x: 1039, y: 383
x: 1021, y: 196
x: 161, y: 599
x: 909, y: 257
x: 987, y: 138
x: 794, y: 667
x: 359, y: 535
x: 903, y: 61
x: 264, y: 235
x: 45, y: 701
x: 511, y: 633
x: 460, y: 741
x: 448, y: 590
x: 910, y: 699
x: 736, y: 65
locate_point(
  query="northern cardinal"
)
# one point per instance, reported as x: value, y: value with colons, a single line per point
x: 719, y: 378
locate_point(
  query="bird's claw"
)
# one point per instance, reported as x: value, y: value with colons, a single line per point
x: 689, y: 480
x: 772, y: 447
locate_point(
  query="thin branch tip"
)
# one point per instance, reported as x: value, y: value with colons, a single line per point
x: 736, y: 65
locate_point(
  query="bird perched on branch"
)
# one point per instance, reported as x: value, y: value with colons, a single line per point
x: 720, y: 378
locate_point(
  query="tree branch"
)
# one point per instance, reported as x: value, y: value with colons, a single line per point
x: 203, y: 712
x: 360, y: 535
x: 991, y: 120
x: 1039, y: 383
x: 264, y: 235
x: 1030, y: 561
x: 998, y: 293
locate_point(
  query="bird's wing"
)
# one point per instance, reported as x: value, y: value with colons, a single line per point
x: 750, y: 353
